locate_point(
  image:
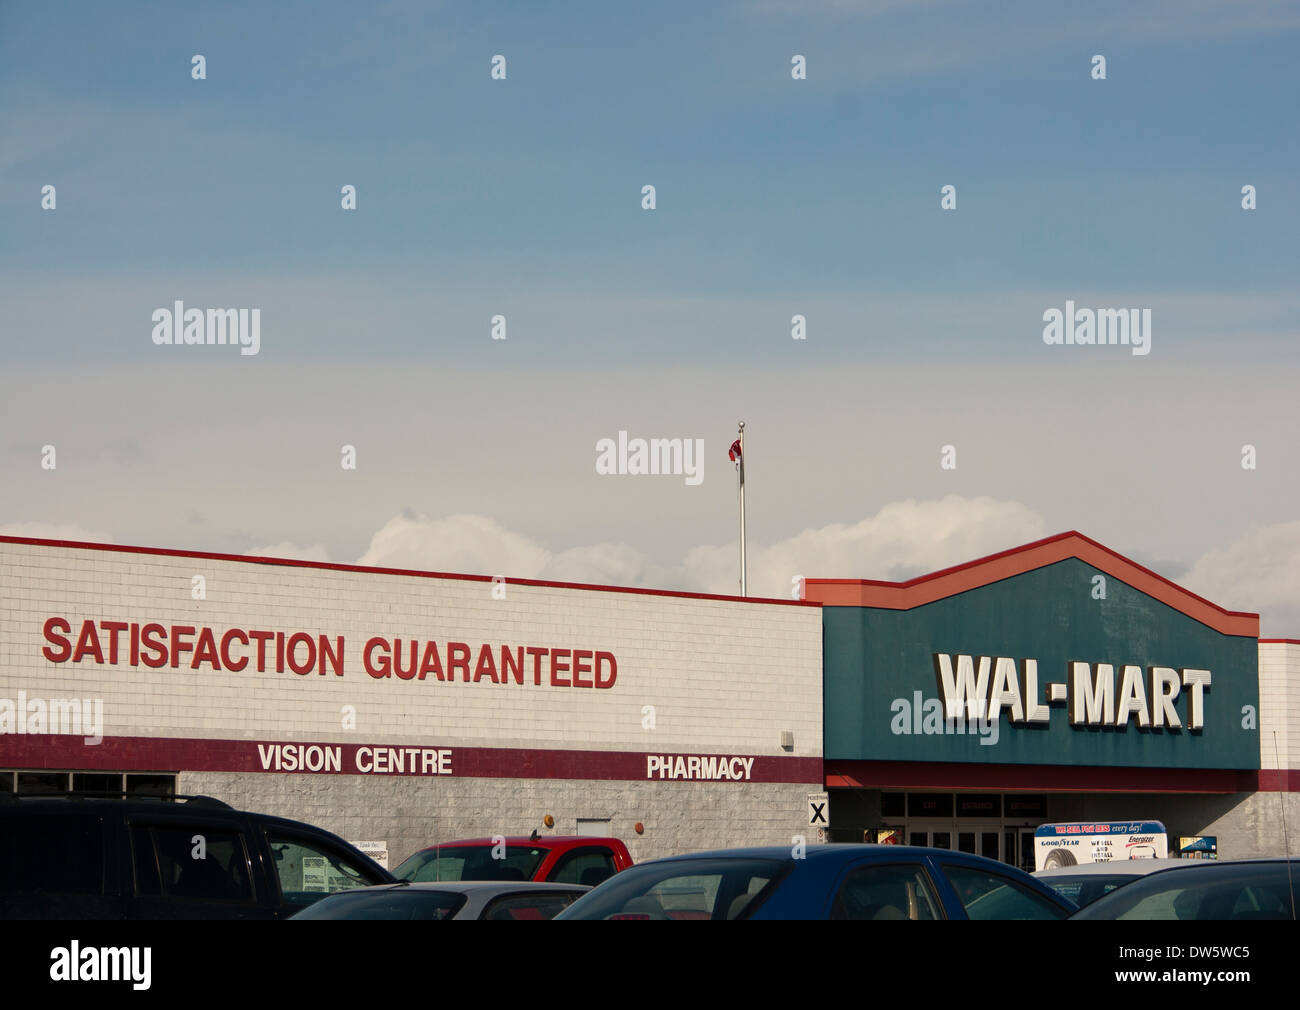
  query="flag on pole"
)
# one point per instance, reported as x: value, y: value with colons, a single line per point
x: 736, y: 454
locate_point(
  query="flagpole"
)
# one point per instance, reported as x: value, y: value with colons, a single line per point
x: 742, y: 509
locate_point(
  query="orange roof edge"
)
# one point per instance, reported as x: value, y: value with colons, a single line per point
x: 1016, y: 561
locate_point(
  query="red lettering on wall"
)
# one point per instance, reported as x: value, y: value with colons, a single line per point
x: 579, y: 669
x: 205, y: 650
x: 156, y: 645
x: 377, y: 669
x: 537, y: 655
x: 512, y: 664
x: 112, y: 627
x: 226, y: 639
x: 487, y: 666
x: 154, y: 639
x: 261, y: 638
x: 88, y: 642
x: 457, y: 658
x: 613, y: 669
x: 64, y: 650
x: 301, y: 638
x: 178, y: 644
x: 557, y: 667
x: 431, y: 662
x: 408, y: 673
x: 335, y: 655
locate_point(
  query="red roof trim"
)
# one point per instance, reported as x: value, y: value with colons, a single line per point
x: 902, y: 775
x: 1018, y: 560
x: 1279, y: 641
x: 367, y: 570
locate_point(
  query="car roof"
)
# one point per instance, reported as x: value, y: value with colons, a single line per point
x: 818, y: 852
x: 472, y: 886
x: 167, y: 807
x: 540, y: 842
x: 177, y: 804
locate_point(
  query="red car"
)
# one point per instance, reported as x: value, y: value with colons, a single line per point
x: 571, y: 859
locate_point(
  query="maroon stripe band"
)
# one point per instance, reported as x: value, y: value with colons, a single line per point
x: 183, y: 754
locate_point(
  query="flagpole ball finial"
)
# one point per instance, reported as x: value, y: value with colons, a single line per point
x: 742, y: 425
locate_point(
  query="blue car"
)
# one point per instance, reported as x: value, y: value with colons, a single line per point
x: 822, y: 882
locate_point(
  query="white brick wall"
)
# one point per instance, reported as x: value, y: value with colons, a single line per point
x: 724, y: 676
x: 1279, y: 705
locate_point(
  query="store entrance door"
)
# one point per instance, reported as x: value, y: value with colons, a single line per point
x: 980, y: 839
x: 934, y: 833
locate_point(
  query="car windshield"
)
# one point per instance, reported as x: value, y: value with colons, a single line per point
x: 682, y: 889
x: 1242, y: 891
x: 472, y: 862
x: 386, y: 903
x: 1084, y: 889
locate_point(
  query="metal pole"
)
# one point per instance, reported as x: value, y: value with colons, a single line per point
x: 742, y: 509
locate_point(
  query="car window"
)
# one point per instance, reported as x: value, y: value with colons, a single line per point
x: 472, y: 862
x: 1201, y: 894
x: 309, y: 870
x: 683, y: 889
x: 986, y: 895
x: 1084, y: 890
x: 52, y: 854
x: 189, y: 862
x: 885, y: 892
x: 386, y: 903
x: 532, y: 905
x: 583, y: 866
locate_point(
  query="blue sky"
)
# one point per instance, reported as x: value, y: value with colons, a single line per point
x: 765, y: 184
x: 775, y: 197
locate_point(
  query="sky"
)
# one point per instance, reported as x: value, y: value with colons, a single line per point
x: 522, y: 197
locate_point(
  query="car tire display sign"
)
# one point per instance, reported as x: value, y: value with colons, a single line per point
x: 1058, y: 845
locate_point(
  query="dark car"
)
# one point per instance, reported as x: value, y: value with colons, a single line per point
x: 1207, y: 891
x: 463, y: 899
x: 562, y: 859
x: 822, y: 882
x: 73, y: 857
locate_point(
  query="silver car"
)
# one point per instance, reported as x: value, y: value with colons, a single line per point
x: 1084, y: 883
x: 448, y: 899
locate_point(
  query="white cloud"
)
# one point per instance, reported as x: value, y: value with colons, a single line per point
x: 607, y: 564
x: 468, y: 544
x: 54, y: 531
x: 903, y: 539
x: 1257, y: 572
x: 295, y: 552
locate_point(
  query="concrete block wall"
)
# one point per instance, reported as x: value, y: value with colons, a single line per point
x: 410, y: 813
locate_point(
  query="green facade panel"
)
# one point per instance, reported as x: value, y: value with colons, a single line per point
x: 876, y: 661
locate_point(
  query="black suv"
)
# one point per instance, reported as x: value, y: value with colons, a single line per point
x: 182, y: 857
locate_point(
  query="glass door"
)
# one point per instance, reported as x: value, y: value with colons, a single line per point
x: 931, y: 833
x: 980, y: 840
